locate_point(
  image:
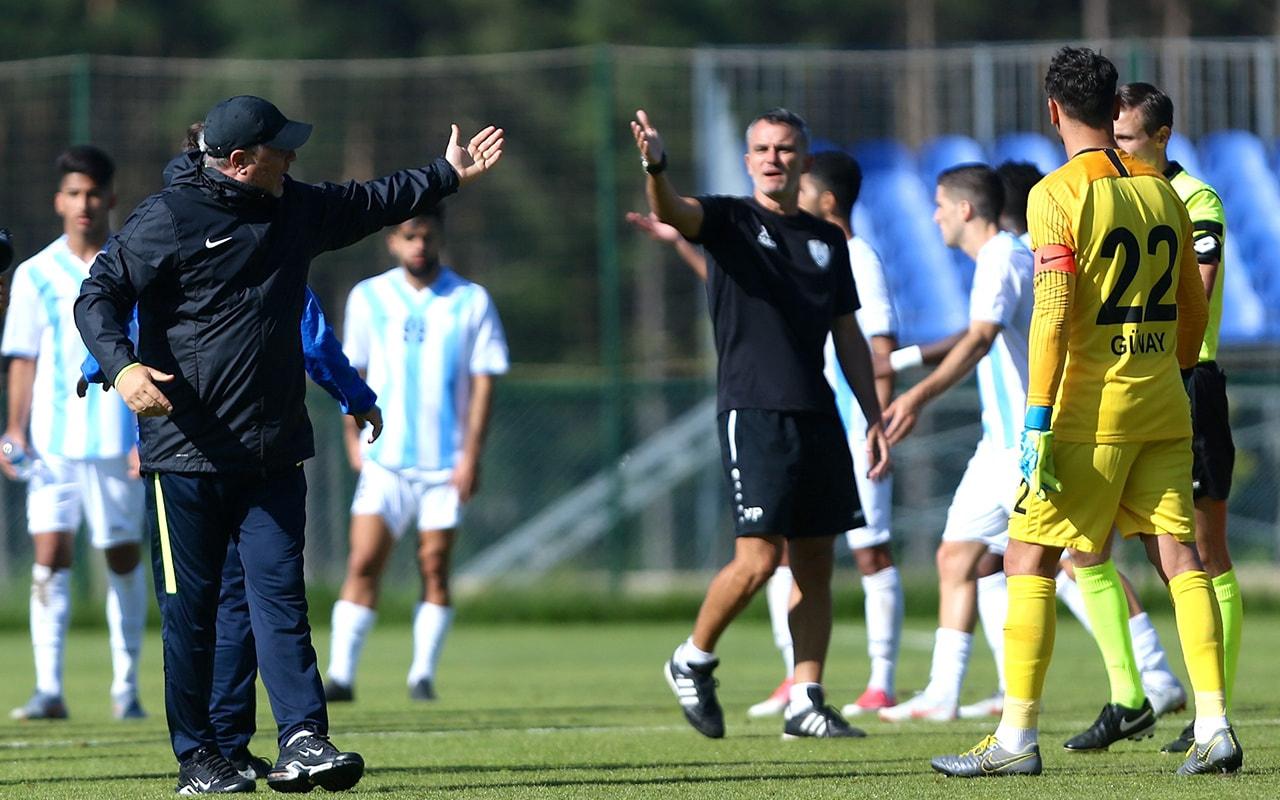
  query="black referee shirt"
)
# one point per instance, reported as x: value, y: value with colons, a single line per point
x: 775, y: 283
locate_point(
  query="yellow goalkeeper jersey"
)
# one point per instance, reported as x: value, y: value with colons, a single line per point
x: 1136, y: 284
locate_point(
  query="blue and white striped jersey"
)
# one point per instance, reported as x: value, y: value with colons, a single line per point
x: 876, y: 316
x: 40, y: 325
x: 1002, y: 294
x: 419, y: 349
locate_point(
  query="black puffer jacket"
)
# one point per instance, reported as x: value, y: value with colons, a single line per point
x: 217, y: 270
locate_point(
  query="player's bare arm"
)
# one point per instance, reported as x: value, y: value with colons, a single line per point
x: 1209, y: 276
x: 682, y: 213
x: 22, y: 379
x: 466, y: 473
x: 917, y: 355
x: 482, y: 152
x: 661, y: 232
x: 855, y: 362
x: 903, y: 413
x: 881, y: 348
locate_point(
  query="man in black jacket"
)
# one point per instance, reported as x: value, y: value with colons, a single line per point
x: 217, y: 264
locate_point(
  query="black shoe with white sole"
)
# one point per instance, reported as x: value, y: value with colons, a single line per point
x: 818, y: 720
x: 206, y: 772
x: 312, y: 760
x: 1184, y: 741
x: 696, y: 690
x: 1114, y: 723
x: 249, y: 765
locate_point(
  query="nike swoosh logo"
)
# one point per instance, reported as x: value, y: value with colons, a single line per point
x: 991, y: 765
x: 211, y: 243
x: 1128, y: 725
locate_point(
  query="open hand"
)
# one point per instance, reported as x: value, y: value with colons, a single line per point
x: 648, y: 140
x: 138, y: 387
x: 654, y: 228
x: 478, y: 157
x: 901, y: 416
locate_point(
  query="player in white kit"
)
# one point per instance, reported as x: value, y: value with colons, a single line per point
x: 828, y: 191
x: 970, y: 574
x: 430, y: 344
x: 78, y: 455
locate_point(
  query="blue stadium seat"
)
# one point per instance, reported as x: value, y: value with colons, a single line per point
x: 1184, y: 152
x: 882, y: 154
x: 945, y: 152
x: 1244, y: 318
x: 1047, y: 155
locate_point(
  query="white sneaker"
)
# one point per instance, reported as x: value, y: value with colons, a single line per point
x: 1166, y: 695
x: 992, y: 706
x: 921, y: 706
x: 775, y: 703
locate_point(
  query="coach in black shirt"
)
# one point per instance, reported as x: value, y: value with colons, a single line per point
x: 778, y: 282
x: 216, y: 264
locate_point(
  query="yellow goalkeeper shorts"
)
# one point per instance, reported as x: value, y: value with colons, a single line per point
x: 1135, y: 487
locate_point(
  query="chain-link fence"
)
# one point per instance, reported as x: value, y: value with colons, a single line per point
x: 609, y: 336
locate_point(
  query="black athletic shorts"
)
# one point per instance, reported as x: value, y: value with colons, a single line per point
x: 1213, y: 451
x: 789, y: 473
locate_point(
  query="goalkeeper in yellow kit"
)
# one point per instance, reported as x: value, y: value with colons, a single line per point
x: 1119, y: 308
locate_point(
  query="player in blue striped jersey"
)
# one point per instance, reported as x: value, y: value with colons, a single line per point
x: 84, y: 453
x: 430, y: 344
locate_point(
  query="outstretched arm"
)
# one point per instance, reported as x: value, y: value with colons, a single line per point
x: 683, y: 213
x: 903, y: 412
x: 659, y: 231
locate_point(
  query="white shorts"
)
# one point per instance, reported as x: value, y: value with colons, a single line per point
x: 984, y: 499
x: 876, y: 498
x: 402, y: 497
x: 63, y: 492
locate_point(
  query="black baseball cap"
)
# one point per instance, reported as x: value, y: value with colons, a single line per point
x: 244, y: 121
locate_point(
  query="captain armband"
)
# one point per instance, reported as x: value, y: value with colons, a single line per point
x: 1055, y: 258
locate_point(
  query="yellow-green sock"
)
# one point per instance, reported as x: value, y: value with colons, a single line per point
x: 1200, y: 632
x: 1231, y: 609
x: 1108, y: 610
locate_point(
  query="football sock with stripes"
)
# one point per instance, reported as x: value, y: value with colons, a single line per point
x: 1028, y: 647
x: 778, y: 593
x: 993, y: 607
x: 50, y: 613
x: 351, y: 623
x: 1104, y: 599
x: 431, y: 623
x: 1200, y: 632
x: 1231, y: 609
x: 884, y: 609
x: 126, y: 618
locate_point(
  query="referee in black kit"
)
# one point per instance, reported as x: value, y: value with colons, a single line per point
x: 778, y: 281
x: 216, y: 264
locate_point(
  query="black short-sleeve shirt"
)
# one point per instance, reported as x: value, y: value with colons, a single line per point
x: 775, y: 283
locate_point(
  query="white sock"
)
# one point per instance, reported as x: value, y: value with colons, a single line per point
x: 688, y: 653
x: 798, y: 699
x: 351, y: 622
x: 1206, y: 727
x: 1016, y: 740
x: 778, y: 592
x: 883, y: 609
x: 950, y: 661
x: 1069, y: 594
x: 50, y: 613
x: 1149, y: 653
x: 993, y: 607
x: 430, y: 624
x: 126, y: 618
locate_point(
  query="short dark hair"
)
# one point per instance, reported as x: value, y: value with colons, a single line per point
x: 781, y: 116
x: 838, y: 173
x: 1154, y: 105
x: 192, y: 140
x: 433, y: 215
x: 980, y: 185
x: 87, y: 160
x: 1083, y: 84
x: 1017, y: 178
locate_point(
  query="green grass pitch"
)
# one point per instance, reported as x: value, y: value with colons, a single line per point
x: 581, y: 711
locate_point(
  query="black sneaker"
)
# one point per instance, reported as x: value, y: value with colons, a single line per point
x: 1221, y: 754
x: 696, y: 690
x: 206, y: 772
x: 1116, y: 722
x: 312, y: 761
x: 335, y: 692
x: 1184, y: 741
x: 249, y: 765
x: 818, y: 720
x: 422, y: 690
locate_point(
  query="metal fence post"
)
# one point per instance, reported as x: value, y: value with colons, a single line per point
x: 81, y: 98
